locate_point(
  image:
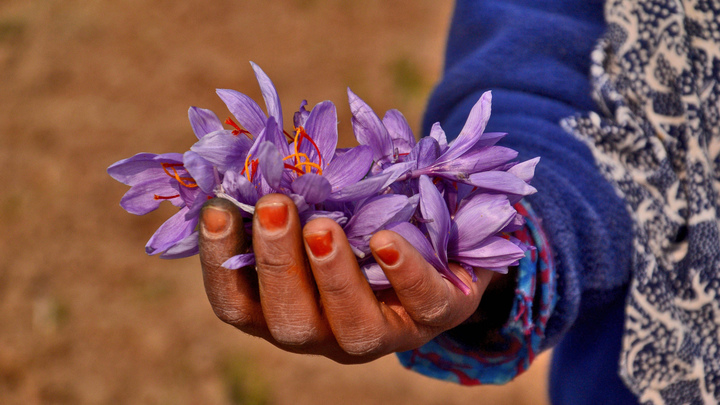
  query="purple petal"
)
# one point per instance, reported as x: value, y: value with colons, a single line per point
x: 321, y: 126
x: 399, y: 130
x: 300, y: 115
x: 433, y: 207
x: 489, y: 139
x: 493, y: 252
x: 525, y: 171
x: 416, y: 238
x: 502, y: 182
x: 274, y: 135
x: 140, y: 199
x: 223, y: 149
x: 171, y: 232
x: 270, y: 163
x: 473, y: 129
x: 337, y: 216
x: 142, y: 167
x: 362, y: 189
x: 479, y: 217
x: 201, y: 170
x: 240, y: 188
x: 239, y: 261
x: 272, y: 101
x: 246, y: 111
x: 314, y: 188
x: 437, y: 133
x: 375, y: 213
x: 349, y: 167
x: 185, y: 248
x: 477, y: 160
x: 515, y: 224
x: 203, y: 121
x: 375, y: 276
x: 425, y: 152
x: 368, y: 128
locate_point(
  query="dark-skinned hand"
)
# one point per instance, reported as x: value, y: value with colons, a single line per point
x: 308, y: 295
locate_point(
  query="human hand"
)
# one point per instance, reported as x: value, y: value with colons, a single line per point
x: 308, y: 294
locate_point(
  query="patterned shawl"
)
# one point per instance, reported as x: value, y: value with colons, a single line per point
x: 656, y: 77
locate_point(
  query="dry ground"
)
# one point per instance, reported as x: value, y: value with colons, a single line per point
x: 85, y: 316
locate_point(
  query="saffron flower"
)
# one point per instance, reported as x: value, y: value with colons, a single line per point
x: 453, y: 201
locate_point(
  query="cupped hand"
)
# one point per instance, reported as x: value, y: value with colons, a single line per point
x: 308, y: 294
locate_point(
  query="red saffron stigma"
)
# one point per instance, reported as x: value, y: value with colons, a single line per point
x: 291, y: 167
x: 237, y: 131
x: 162, y: 197
x: 302, y: 134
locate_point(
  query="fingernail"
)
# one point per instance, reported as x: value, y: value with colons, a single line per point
x: 320, y: 243
x: 215, y: 220
x: 388, y: 254
x: 272, y: 216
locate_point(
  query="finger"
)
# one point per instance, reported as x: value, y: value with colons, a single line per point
x: 355, y: 316
x: 289, y: 298
x: 425, y: 295
x: 232, y: 293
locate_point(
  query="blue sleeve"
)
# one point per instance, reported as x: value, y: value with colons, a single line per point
x: 535, y: 58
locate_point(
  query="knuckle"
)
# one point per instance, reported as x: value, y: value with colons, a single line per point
x: 433, y: 315
x: 365, y: 342
x: 336, y: 285
x: 275, y: 262
x: 427, y: 307
x: 237, y: 318
x: 295, y: 335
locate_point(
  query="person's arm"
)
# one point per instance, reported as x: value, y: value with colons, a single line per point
x: 535, y: 59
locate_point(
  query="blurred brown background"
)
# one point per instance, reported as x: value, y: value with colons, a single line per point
x: 85, y: 316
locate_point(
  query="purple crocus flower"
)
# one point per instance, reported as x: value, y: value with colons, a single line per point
x: 153, y: 179
x: 471, y: 238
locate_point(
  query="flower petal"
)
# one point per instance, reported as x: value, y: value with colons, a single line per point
x: 272, y: 100
x: 142, y: 167
x: 349, y: 167
x: 201, y: 170
x: 246, y: 111
x: 140, y: 199
x: 479, y: 217
x: 185, y: 248
x: 170, y: 233
x: 375, y: 213
x: 416, y: 238
x: 425, y: 152
x: 437, y: 133
x: 223, y: 149
x: 300, y: 115
x: 375, y: 276
x: 271, y: 164
x: 203, y: 121
x: 502, y: 182
x: 493, y: 252
x: 239, y: 261
x: 433, y: 208
x: 314, y: 188
x: 525, y: 171
x: 473, y: 129
x: 337, y: 216
x: 360, y: 190
x: 368, y: 128
x: 321, y: 126
x: 399, y: 130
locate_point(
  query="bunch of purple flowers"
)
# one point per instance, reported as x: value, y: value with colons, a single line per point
x: 452, y: 201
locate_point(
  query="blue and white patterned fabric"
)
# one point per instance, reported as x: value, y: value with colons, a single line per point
x: 656, y: 76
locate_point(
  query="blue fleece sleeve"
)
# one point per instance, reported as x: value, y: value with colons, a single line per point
x: 535, y: 58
